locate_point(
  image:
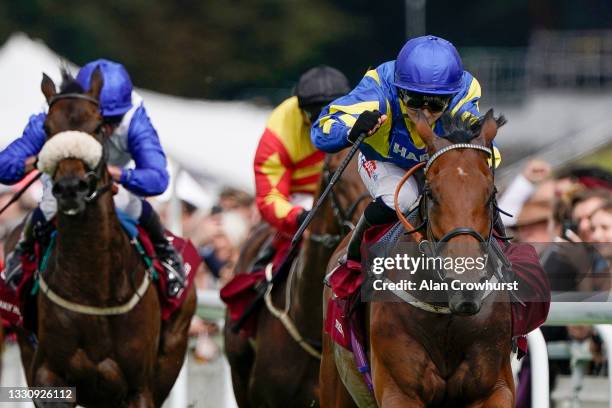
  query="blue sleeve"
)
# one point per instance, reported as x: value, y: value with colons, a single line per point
x: 329, y: 133
x: 467, y: 99
x: 150, y: 177
x: 12, y: 159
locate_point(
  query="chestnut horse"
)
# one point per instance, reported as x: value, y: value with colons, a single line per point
x: 457, y: 355
x: 274, y: 370
x: 106, y: 337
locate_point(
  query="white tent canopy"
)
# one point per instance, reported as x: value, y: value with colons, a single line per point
x: 216, y: 140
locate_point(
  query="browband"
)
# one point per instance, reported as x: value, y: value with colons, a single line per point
x: 88, y: 98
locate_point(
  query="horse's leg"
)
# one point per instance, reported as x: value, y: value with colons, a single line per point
x: 26, y: 352
x: 172, y: 348
x: 142, y: 400
x: 503, y: 391
x: 402, y: 371
x: 389, y: 394
x: 333, y: 391
x: 43, y: 376
x: 241, y: 357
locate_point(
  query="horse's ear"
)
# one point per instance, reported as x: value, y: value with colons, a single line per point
x: 489, y: 127
x: 433, y: 142
x: 47, y: 86
x: 96, y: 83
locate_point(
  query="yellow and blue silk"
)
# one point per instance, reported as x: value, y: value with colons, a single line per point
x: 397, y: 140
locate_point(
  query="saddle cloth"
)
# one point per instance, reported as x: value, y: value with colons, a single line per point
x: 241, y: 291
x: 18, y: 307
x: 345, y: 283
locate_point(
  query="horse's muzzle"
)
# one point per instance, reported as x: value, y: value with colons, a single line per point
x: 70, y: 193
x: 465, y: 302
x: 466, y: 307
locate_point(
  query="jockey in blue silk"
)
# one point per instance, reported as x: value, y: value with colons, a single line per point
x: 131, y: 137
x: 426, y: 77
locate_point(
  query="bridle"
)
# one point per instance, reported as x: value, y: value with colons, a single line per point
x: 429, y: 244
x: 343, y: 216
x: 73, y: 95
x: 427, y: 194
x: 95, y: 175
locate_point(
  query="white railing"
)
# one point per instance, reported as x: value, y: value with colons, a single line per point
x: 538, y: 358
x: 562, y: 314
x: 605, y: 332
x: 179, y: 395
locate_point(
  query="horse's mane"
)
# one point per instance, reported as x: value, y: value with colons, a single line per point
x: 69, y: 83
x: 463, y: 130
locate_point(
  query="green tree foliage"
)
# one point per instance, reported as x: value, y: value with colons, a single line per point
x: 230, y: 49
x: 212, y: 48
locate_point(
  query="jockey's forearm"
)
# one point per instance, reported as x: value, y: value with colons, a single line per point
x: 145, y: 182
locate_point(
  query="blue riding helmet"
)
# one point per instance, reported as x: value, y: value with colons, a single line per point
x: 116, y: 93
x: 429, y: 65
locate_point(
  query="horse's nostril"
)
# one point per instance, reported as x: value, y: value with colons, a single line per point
x: 82, y: 186
x: 57, y: 189
x: 468, y: 308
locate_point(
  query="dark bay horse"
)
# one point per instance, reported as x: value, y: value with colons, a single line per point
x: 99, y: 321
x: 274, y: 370
x: 455, y: 356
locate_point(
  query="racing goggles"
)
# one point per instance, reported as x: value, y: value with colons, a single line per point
x: 433, y: 103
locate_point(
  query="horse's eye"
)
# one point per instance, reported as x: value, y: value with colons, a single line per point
x: 430, y: 195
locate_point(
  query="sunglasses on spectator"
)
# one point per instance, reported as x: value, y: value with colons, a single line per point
x: 433, y: 103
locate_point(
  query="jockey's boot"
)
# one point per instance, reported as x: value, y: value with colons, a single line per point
x: 351, y: 262
x: 353, y: 251
x: 35, y: 225
x: 166, y: 253
x: 376, y: 213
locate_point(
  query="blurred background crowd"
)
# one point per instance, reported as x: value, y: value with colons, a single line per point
x: 549, y: 70
x: 567, y: 216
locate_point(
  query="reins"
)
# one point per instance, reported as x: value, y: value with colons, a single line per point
x: 423, y: 242
x: 417, y: 235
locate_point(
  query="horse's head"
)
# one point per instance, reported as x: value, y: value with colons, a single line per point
x: 73, y: 152
x: 459, y: 196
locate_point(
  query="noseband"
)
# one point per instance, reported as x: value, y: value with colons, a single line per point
x: 430, y: 246
x: 460, y: 230
x: 95, y: 175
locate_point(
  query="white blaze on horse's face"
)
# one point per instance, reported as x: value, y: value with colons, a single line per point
x: 461, y: 172
x: 71, y: 144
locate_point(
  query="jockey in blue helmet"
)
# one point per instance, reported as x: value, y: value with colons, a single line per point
x: 131, y: 137
x: 426, y: 77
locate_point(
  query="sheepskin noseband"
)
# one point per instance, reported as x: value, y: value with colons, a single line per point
x: 71, y: 144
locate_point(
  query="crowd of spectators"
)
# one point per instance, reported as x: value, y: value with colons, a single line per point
x: 567, y: 217
x: 218, y: 233
x: 574, y: 205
